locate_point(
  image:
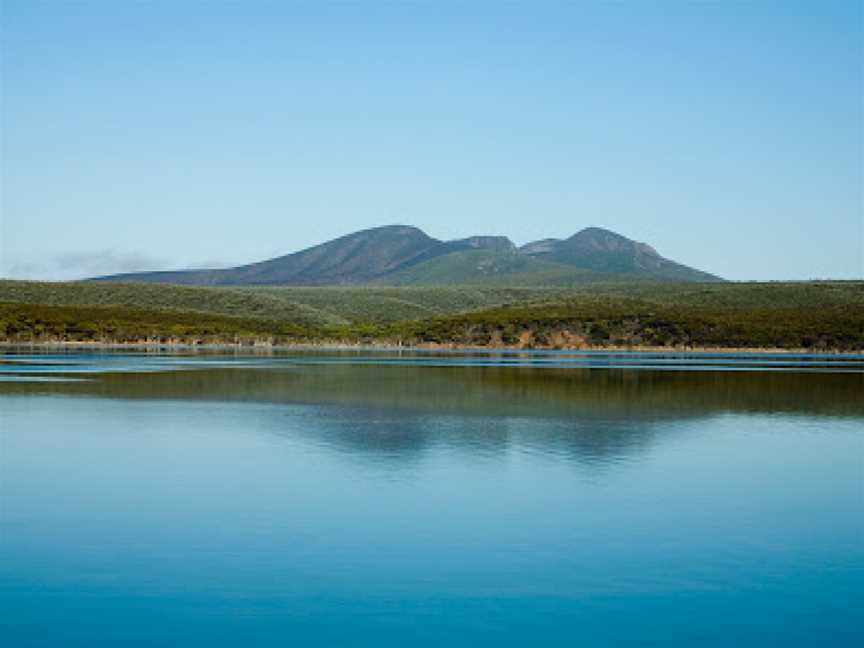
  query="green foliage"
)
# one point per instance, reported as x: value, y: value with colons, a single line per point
x: 325, y: 306
x: 627, y: 322
x: 38, y: 323
x: 811, y: 315
x: 491, y: 268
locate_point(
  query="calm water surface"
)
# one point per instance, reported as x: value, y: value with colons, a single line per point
x: 414, y: 499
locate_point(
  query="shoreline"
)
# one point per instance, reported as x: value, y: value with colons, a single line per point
x: 333, y: 346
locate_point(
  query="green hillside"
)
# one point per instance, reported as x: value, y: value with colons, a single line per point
x: 490, y: 268
x: 304, y: 306
x: 217, y: 301
x: 814, y: 317
x: 740, y: 296
x: 808, y: 315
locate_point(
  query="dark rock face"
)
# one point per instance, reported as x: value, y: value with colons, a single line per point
x: 495, y: 243
x: 540, y: 247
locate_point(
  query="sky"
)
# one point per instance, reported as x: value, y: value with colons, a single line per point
x: 184, y: 133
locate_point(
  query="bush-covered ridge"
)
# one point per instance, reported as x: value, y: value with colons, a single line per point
x: 815, y: 315
x: 623, y: 323
x: 301, y: 305
x: 113, y: 324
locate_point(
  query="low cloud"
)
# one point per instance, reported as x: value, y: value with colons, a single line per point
x: 85, y: 265
x: 105, y: 262
x: 81, y: 265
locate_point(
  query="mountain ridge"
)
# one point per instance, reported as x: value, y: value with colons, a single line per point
x: 404, y: 254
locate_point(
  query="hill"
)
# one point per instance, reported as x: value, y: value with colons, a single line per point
x: 404, y: 255
x: 817, y: 316
x: 491, y: 268
x: 825, y: 316
x: 355, y: 258
x: 306, y: 306
x: 600, y: 250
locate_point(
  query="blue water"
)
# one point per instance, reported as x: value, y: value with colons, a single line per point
x: 431, y: 499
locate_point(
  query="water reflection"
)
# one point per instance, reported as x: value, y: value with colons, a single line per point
x: 386, y: 436
x: 611, y: 392
x: 396, y: 413
x: 496, y: 504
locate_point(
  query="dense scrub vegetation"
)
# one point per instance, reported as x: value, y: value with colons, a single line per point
x: 620, y: 322
x: 307, y: 306
x: 814, y: 315
x: 108, y: 324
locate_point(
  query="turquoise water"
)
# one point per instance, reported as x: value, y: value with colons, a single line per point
x: 453, y: 499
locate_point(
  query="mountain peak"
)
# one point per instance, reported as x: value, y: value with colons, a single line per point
x: 405, y: 230
x: 604, y: 240
x: 497, y: 243
x: 602, y: 250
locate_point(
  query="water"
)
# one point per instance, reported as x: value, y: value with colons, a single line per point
x: 431, y: 499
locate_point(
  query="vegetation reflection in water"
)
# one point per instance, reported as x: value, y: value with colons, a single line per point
x: 617, y: 385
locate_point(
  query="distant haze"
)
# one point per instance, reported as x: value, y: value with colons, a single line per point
x: 142, y: 136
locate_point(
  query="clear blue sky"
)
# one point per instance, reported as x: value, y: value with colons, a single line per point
x: 180, y: 133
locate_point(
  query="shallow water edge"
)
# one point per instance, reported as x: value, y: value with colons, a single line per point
x: 325, y: 346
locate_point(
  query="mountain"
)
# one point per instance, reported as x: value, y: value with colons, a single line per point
x: 601, y: 250
x: 355, y: 258
x: 405, y: 255
x: 489, y: 268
